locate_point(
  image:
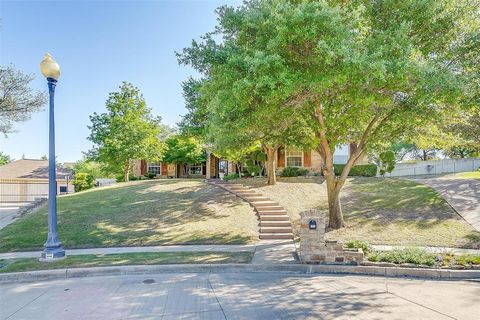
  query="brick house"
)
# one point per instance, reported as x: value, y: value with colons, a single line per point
x: 285, y: 157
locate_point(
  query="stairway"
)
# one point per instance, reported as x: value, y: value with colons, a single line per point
x: 274, y: 220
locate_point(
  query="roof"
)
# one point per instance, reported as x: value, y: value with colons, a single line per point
x: 31, y: 169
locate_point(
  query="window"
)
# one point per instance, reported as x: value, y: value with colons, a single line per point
x: 294, y: 158
x: 196, y: 169
x: 154, y: 168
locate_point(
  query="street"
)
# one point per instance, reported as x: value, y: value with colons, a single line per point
x: 240, y: 296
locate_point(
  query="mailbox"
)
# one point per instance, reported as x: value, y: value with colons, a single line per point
x: 312, y: 225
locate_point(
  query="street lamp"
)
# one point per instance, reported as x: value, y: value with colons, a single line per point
x: 53, y: 247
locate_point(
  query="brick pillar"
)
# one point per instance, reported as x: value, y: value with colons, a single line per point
x: 208, y: 174
x: 312, y: 236
x: 313, y: 247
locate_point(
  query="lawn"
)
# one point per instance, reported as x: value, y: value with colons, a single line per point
x: 140, y: 213
x: 464, y: 175
x: 378, y: 210
x: 140, y: 258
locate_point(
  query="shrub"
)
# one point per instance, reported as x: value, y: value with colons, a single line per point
x: 231, y: 176
x: 83, y: 181
x: 150, y: 175
x: 467, y: 259
x: 357, y: 244
x: 386, y: 162
x: 361, y: 170
x: 407, y: 255
x: 293, y: 172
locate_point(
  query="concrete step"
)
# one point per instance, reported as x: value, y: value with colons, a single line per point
x: 274, y: 212
x: 275, y: 224
x: 274, y: 218
x: 246, y: 193
x: 270, y: 236
x: 269, y: 208
x: 251, y: 198
x: 266, y: 214
x: 236, y: 187
x: 276, y: 230
x: 265, y: 204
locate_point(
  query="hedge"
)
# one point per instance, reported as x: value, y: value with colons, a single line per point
x: 293, y: 172
x: 363, y: 170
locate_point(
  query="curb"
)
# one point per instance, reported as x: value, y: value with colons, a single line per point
x: 237, y: 268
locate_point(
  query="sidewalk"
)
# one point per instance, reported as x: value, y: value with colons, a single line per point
x: 265, y: 252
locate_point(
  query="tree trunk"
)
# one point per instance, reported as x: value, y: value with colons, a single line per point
x: 126, y: 171
x: 335, y: 214
x: 271, y: 175
x: 238, y: 169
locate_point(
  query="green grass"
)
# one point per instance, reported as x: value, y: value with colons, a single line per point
x: 140, y: 213
x: 468, y: 175
x: 141, y: 258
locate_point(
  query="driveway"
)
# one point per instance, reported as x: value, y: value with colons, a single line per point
x: 240, y: 296
x: 8, y: 213
x: 462, y: 194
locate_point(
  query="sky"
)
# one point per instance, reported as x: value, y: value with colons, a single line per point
x: 98, y: 45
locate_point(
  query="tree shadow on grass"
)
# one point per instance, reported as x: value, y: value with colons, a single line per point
x: 141, y: 213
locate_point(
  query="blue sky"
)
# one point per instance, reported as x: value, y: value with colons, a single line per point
x: 98, y: 45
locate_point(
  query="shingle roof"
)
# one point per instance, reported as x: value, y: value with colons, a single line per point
x: 31, y: 169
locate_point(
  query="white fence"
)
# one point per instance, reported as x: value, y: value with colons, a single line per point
x: 435, y: 167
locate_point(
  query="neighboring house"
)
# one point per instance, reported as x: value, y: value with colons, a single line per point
x: 25, y: 180
x: 285, y: 157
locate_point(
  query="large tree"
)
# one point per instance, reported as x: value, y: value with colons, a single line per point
x: 362, y: 72
x: 17, y: 100
x: 182, y: 149
x: 127, y: 131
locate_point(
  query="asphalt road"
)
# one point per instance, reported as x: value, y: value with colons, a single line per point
x: 240, y: 296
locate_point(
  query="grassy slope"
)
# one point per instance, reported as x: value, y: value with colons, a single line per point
x: 138, y: 214
x: 467, y: 175
x: 141, y: 258
x: 380, y: 211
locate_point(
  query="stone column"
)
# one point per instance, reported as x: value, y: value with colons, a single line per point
x: 312, y: 237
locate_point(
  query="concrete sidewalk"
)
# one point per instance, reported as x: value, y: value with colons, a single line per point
x: 240, y: 296
x: 265, y: 252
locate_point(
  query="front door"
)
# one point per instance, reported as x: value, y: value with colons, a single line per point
x: 223, y: 166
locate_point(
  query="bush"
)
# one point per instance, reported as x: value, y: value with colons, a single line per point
x: 407, y: 255
x: 361, y: 170
x: 150, y: 175
x: 293, y: 172
x: 231, y: 176
x: 357, y: 244
x: 468, y: 259
x: 83, y: 181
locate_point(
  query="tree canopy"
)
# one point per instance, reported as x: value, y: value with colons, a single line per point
x: 330, y: 73
x: 17, y: 100
x: 127, y: 131
x: 4, y: 158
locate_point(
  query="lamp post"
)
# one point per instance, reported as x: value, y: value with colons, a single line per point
x: 53, y: 247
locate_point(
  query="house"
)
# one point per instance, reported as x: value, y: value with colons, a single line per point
x: 285, y: 157
x: 25, y: 180
x: 169, y: 170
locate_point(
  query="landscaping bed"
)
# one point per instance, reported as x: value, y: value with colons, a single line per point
x: 415, y: 258
x: 140, y: 258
